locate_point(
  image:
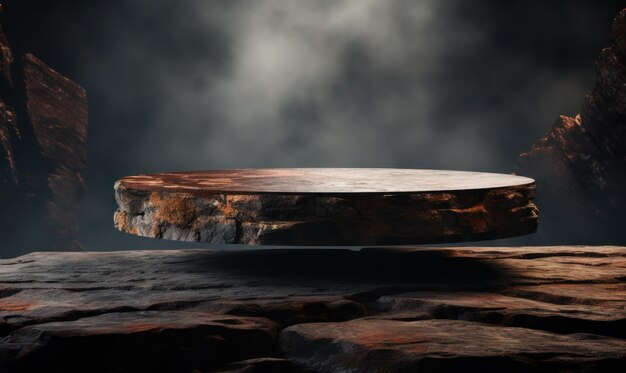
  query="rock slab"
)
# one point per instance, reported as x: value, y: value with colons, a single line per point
x: 328, y: 206
x: 298, y: 310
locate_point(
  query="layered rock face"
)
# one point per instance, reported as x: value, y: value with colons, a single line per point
x: 522, y: 309
x: 43, y: 129
x: 580, y: 165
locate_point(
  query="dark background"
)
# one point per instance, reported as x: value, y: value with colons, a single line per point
x: 197, y: 84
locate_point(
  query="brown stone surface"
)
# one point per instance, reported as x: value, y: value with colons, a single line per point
x: 171, y: 341
x: 326, y: 181
x: 444, y: 345
x: 326, y: 206
x: 9, y: 134
x: 381, y: 310
x: 6, y: 59
x: 43, y: 128
x: 57, y: 112
x: 580, y: 164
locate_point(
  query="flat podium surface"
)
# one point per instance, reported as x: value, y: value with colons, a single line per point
x: 326, y: 206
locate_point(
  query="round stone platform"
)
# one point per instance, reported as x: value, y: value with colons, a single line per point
x: 326, y: 206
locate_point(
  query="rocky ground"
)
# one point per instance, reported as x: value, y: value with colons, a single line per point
x: 375, y: 310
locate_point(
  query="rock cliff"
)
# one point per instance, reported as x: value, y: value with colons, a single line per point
x: 43, y: 131
x: 580, y: 164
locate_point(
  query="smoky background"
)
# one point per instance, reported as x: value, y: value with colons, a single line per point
x: 199, y: 84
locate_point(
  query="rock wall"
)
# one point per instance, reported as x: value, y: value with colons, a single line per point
x: 580, y: 164
x: 43, y: 131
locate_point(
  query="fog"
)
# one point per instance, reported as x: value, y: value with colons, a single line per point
x: 191, y: 84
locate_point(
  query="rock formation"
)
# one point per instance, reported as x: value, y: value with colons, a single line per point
x: 580, y: 165
x: 374, y: 310
x: 43, y: 129
x: 342, y: 206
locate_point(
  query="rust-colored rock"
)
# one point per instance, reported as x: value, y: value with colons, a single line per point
x: 580, y: 165
x: 57, y: 113
x: 172, y: 342
x: 444, y: 345
x: 43, y: 128
x: 326, y: 206
x: 562, y: 317
x: 6, y: 59
x: 9, y: 134
x: 560, y: 308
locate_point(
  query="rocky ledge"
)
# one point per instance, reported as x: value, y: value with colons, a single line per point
x: 374, y: 310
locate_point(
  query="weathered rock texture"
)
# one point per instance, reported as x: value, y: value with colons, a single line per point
x: 326, y: 206
x: 373, y: 310
x: 580, y: 165
x: 43, y: 128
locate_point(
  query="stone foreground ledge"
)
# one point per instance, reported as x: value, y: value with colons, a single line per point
x: 381, y: 310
